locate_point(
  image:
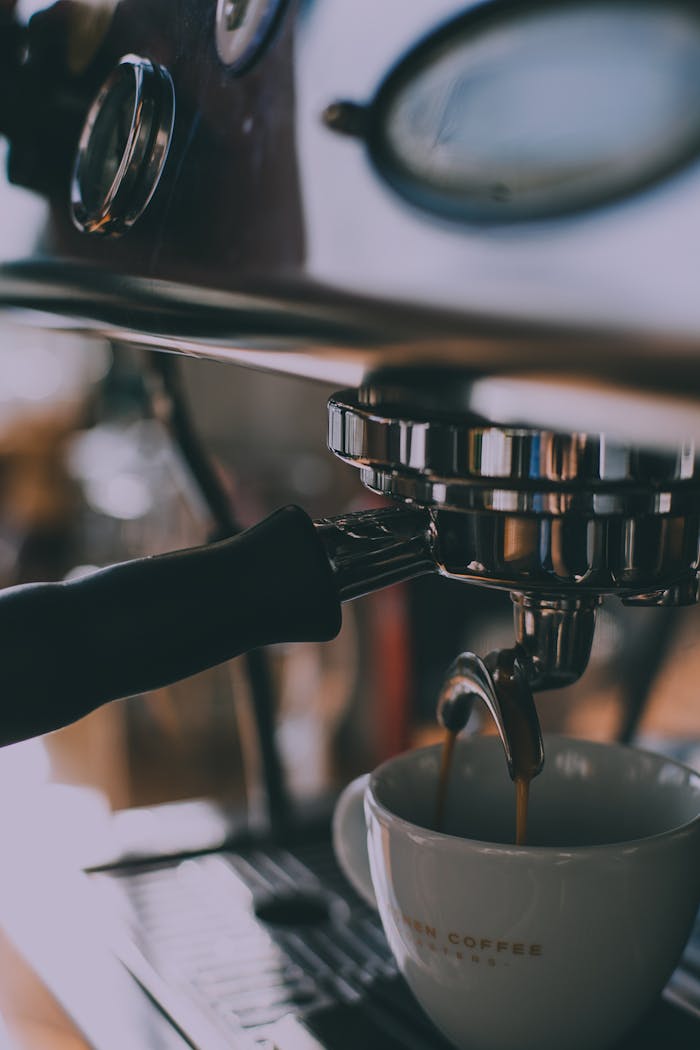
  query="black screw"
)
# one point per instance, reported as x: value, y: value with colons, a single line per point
x: 347, y: 118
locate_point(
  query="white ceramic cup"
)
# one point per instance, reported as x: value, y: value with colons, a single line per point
x: 563, y: 943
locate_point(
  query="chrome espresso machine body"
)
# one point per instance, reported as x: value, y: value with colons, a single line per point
x: 479, y: 221
x: 480, y: 218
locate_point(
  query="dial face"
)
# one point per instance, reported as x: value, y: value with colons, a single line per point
x: 123, y: 147
x: 108, y: 142
x: 522, y: 111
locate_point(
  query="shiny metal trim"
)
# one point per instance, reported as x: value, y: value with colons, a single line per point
x: 326, y: 334
x: 554, y: 636
x: 462, y: 494
x: 685, y: 592
x: 500, y: 682
x: 529, y: 510
x: 570, y: 555
x: 242, y: 27
x: 563, y: 564
x: 376, y: 548
x: 465, y: 464
x: 145, y: 152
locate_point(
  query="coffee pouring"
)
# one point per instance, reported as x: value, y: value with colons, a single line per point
x: 536, y: 945
x: 501, y: 683
x: 477, y: 223
x: 521, y: 450
x: 560, y: 521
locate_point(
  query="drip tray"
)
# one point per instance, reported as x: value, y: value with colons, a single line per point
x: 267, y: 947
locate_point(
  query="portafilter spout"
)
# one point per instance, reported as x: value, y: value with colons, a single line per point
x: 500, y: 682
x: 554, y: 635
x: 558, y: 519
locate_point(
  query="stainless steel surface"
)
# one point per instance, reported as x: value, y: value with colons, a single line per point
x: 431, y: 454
x: 123, y: 147
x: 684, y: 593
x: 538, y: 374
x: 568, y: 555
x: 559, y: 519
x: 49, y: 914
x: 554, y: 636
x: 241, y: 29
x: 500, y: 683
x: 261, y: 198
x: 371, y: 549
x: 528, y: 510
x: 555, y: 621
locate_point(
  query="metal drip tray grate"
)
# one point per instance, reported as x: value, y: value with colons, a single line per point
x: 268, y: 947
x: 254, y: 939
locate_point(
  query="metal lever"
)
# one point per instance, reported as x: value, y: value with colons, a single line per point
x: 501, y: 683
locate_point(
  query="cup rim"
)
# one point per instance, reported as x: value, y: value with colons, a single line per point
x: 441, y: 839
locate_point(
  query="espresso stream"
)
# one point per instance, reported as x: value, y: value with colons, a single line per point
x: 444, y: 780
x: 522, y: 800
x: 522, y: 775
x: 518, y: 727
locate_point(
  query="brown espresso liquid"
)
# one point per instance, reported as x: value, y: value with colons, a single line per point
x: 522, y: 798
x: 522, y: 789
x: 444, y: 781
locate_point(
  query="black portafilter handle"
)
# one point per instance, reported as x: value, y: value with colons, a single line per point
x: 66, y: 648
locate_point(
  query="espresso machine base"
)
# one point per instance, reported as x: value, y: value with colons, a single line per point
x: 266, y: 945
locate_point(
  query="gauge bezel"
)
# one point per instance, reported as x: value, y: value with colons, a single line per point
x: 145, y: 151
x: 470, y: 25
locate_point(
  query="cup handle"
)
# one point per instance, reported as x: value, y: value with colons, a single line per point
x: 350, y: 838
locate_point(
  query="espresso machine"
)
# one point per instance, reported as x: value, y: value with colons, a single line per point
x: 478, y: 222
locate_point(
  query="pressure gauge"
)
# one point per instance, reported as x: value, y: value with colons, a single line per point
x: 521, y: 110
x: 123, y: 147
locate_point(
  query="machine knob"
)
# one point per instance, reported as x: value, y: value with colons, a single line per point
x: 123, y: 147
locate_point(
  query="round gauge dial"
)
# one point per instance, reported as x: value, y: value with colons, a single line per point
x: 123, y: 147
x: 520, y: 111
